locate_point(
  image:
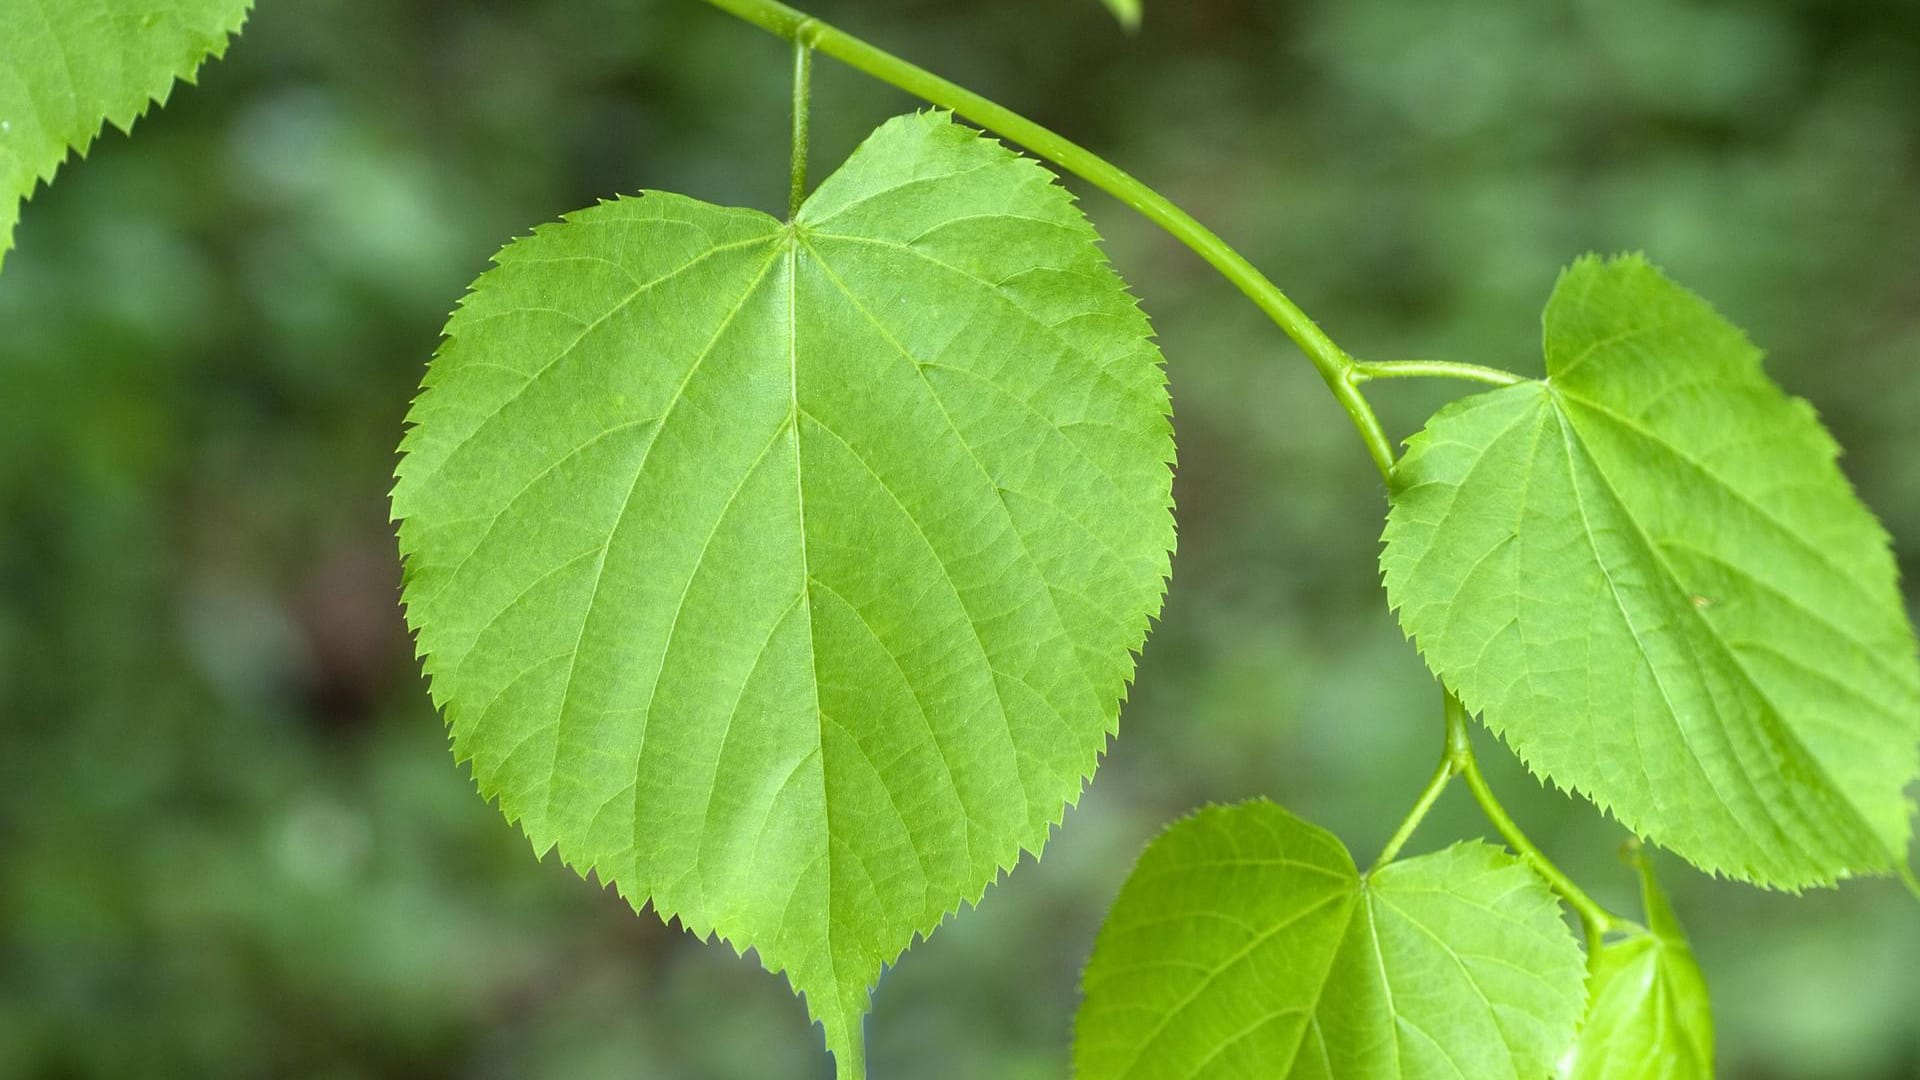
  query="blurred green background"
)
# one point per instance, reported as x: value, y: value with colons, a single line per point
x: 232, y: 841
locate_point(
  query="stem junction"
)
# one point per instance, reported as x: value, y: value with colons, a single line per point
x: 1596, y: 920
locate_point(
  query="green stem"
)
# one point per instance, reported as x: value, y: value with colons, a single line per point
x: 1364, y: 371
x: 802, y: 124
x: 850, y: 1061
x: 1595, y: 919
x: 1434, y: 789
x: 1334, y: 365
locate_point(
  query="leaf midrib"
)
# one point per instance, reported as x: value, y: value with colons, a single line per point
x: 1013, y: 527
x: 1828, y: 788
x: 1781, y: 530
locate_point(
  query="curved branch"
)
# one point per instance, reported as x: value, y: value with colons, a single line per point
x: 1334, y: 365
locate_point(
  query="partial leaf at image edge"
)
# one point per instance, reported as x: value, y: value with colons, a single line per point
x: 1127, y: 11
x: 789, y: 576
x: 69, y: 68
x: 1247, y: 944
x: 1649, y: 576
x: 1649, y: 1016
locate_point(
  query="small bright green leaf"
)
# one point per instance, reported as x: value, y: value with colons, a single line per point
x: 67, y: 67
x: 789, y: 577
x: 1246, y: 944
x: 1649, y: 1018
x: 1650, y: 577
x: 1127, y: 11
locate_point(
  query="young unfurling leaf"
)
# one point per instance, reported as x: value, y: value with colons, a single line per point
x: 788, y: 576
x: 1648, y: 1017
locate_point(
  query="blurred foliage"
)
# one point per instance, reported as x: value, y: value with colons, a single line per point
x: 232, y: 842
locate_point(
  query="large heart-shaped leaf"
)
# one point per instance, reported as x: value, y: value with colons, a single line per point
x: 1246, y: 944
x: 1650, y: 577
x: 788, y: 576
x: 69, y: 66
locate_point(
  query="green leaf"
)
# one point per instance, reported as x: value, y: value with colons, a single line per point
x: 1650, y: 577
x: 1127, y: 11
x: 1649, y: 1018
x: 67, y: 67
x: 788, y: 577
x: 1246, y: 944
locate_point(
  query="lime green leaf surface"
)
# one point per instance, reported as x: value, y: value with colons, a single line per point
x: 1649, y: 576
x: 1649, y: 1018
x: 1127, y: 11
x: 789, y: 577
x: 67, y: 67
x: 1246, y: 944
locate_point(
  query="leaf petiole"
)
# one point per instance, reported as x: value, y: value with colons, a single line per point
x: 1442, y: 776
x: 802, y: 124
x: 1366, y: 371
